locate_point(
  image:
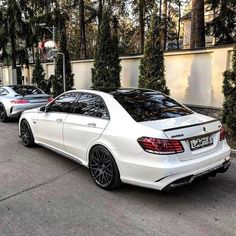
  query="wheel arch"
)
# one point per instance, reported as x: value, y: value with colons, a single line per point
x: 93, y: 145
x: 97, y: 143
x: 30, y: 124
x: 6, y: 107
x: 116, y: 182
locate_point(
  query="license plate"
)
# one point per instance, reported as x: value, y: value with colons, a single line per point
x: 201, y: 142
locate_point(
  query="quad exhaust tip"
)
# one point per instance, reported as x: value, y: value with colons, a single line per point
x: 178, y: 184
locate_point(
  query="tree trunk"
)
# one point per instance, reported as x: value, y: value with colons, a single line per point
x: 179, y: 23
x: 165, y: 24
x: 11, y: 26
x: 160, y: 9
x: 13, y: 51
x: 197, y: 24
x: 142, y: 23
x: 100, y: 10
x: 83, y: 47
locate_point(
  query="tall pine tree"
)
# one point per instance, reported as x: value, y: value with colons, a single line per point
x: 223, y: 24
x: 38, y: 77
x: 152, y: 68
x: 57, y: 80
x: 38, y: 72
x: 106, y: 71
x: 229, y: 90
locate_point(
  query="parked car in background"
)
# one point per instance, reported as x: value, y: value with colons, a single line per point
x: 134, y: 136
x: 15, y: 99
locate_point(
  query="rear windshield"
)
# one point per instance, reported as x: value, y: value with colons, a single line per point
x: 148, y: 106
x: 27, y: 90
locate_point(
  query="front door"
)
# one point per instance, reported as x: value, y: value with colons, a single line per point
x: 50, y: 123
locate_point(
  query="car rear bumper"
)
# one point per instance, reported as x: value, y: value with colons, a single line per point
x: 162, y: 175
x: 192, y: 178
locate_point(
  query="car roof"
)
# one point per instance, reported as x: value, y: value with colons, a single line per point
x: 117, y: 91
x: 130, y: 91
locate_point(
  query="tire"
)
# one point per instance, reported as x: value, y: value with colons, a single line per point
x: 3, y: 114
x: 103, y: 168
x: 26, y: 134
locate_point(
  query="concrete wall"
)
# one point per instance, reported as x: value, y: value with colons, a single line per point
x: 193, y: 76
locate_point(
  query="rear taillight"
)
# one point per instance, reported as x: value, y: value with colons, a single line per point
x: 50, y: 99
x: 222, y: 134
x: 19, y: 101
x: 160, y: 146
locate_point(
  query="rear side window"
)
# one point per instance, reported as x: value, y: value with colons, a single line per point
x: 27, y: 90
x: 148, y: 106
x: 3, y: 92
x: 64, y: 103
x: 91, y: 105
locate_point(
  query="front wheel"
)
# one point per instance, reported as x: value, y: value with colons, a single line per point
x: 26, y: 134
x: 3, y: 114
x: 103, y: 168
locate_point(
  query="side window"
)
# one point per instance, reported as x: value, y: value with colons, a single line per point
x: 91, y: 105
x: 64, y: 103
x: 3, y: 92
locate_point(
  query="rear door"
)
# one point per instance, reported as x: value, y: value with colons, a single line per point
x: 85, y: 124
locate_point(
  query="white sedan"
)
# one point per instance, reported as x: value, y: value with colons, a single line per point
x: 135, y: 136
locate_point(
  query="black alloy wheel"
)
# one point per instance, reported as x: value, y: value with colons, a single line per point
x: 3, y: 114
x: 103, y: 168
x: 26, y: 134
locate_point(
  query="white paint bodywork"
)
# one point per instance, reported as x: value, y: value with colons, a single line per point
x: 74, y: 135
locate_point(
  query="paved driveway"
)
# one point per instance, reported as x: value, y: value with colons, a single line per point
x: 42, y: 193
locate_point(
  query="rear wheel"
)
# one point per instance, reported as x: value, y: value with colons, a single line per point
x: 103, y: 168
x: 3, y: 114
x: 26, y: 134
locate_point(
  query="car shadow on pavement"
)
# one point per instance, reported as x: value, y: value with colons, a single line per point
x: 217, y: 189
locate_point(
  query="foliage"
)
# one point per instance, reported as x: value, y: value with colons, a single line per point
x: 57, y: 80
x: 152, y: 69
x: 20, y: 29
x: 229, y: 90
x: 39, y: 76
x: 106, y: 71
x: 223, y: 25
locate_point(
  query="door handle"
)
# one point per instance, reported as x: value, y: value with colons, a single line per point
x: 59, y: 120
x: 91, y: 125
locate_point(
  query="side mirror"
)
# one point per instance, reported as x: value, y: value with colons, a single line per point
x: 42, y: 109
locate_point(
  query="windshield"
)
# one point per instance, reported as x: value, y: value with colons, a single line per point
x: 147, y: 105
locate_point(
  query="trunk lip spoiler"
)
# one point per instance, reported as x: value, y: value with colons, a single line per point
x: 188, y: 126
x: 200, y: 136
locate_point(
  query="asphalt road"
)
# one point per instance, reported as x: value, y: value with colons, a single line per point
x: 42, y: 193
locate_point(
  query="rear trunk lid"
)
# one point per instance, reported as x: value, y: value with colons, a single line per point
x: 37, y: 98
x: 199, y: 134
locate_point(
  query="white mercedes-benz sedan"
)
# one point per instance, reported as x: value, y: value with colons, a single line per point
x: 135, y: 136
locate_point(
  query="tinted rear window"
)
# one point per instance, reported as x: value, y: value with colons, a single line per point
x: 27, y: 90
x: 148, y: 106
